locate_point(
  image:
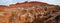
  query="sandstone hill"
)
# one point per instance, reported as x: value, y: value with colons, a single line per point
x: 30, y: 12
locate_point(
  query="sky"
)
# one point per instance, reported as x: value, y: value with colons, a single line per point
x: 7, y: 2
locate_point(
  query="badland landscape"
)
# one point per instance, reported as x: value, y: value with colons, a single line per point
x: 30, y: 12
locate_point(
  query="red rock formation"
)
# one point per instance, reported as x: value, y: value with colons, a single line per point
x: 30, y: 12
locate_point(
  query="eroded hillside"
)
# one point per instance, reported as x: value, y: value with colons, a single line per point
x: 30, y: 12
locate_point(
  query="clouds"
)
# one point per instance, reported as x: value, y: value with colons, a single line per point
x: 57, y: 2
x: 7, y: 2
x: 34, y: 0
x: 42, y: 0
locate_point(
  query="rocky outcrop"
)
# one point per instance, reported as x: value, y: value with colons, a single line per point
x: 30, y: 12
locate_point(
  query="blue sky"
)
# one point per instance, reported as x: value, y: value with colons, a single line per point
x: 7, y: 2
